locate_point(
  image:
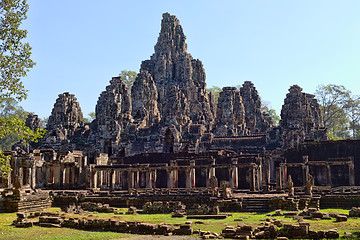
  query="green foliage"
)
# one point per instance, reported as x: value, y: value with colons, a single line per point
x: 266, y: 108
x: 15, y: 55
x: 11, y: 108
x: 340, y: 110
x: 91, y: 117
x: 10, y: 125
x: 216, y: 91
x: 15, y: 62
x: 128, y: 77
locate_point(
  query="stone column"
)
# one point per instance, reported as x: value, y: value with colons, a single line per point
x: 95, y: 177
x: 112, y: 179
x: 278, y: 179
x: 234, y: 177
x: 172, y: 175
x: 101, y: 175
x: 33, y: 177
x: 137, y: 179
x: 153, y: 178
x: 62, y: 175
x: 351, y: 174
x: 211, y: 171
x: 328, y: 169
x: 149, y: 182
x: 259, y: 175
x: 252, y: 179
x: 21, y: 177
x: 130, y: 179
x: 190, y: 175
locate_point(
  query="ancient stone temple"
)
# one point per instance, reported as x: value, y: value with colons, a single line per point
x: 301, y: 118
x: 167, y: 132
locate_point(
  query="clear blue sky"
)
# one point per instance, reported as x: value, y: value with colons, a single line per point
x: 79, y: 45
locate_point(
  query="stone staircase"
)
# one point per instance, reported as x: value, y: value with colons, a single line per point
x: 255, y: 204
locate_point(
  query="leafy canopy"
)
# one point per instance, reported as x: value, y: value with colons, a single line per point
x: 340, y: 110
x: 15, y: 62
x: 15, y: 55
x: 128, y: 77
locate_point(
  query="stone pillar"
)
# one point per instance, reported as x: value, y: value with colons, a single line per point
x: 233, y: 173
x: 328, y: 169
x: 101, y: 176
x: 259, y: 177
x: 130, y: 179
x: 33, y: 177
x: 62, y: 175
x: 149, y: 182
x: 188, y: 179
x: 172, y: 175
x: 192, y: 173
x: 279, y: 185
x: 211, y: 171
x: 351, y: 174
x: 112, y: 179
x: 95, y: 177
x: 137, y: 179
x: 153, y: 178
x: 252, y: 179
x: 21, y: 177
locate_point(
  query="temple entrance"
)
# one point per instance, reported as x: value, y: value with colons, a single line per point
x: 200, y: 177
x: 161, y: 179
x: 181, y: 179
x: 244, y: 178
x: 168, y: 142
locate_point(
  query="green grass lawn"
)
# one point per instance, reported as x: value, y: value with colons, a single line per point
x: 10, y: 232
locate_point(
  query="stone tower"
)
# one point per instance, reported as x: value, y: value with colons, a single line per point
x: 301, y: 118
x: 66, y: 114
x: 171, y: 65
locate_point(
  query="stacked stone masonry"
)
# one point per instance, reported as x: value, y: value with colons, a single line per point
x: 166, y: 132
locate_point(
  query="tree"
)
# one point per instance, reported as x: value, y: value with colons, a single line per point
x: 15, y: 62
x: 340, y: 110
x: 91, y: 117
x: 216, y: 91
x: 266, y: 108
x: 354, y: 118
x: 128, y: 77
x: 11, y: 109
x: 15, y: 55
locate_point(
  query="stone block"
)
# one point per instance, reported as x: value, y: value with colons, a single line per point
x: 332, y: 234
